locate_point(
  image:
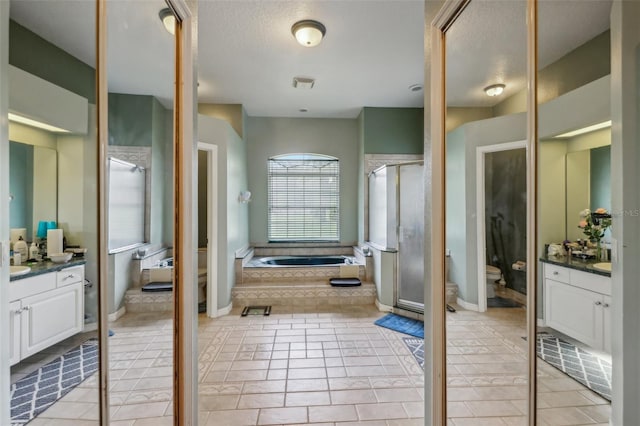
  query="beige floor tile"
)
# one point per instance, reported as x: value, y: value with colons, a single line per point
x: 381, y: 410
x: 564, y: 416
x: 334, y: 413
x: 261, y: 400
x: 484, y: 421
x: 218, y: 402
x: 139, y: 411
x: 306, y: 373
x: 395, y: 395
x: 298, y: 399
x: 279, y: 416
x: 353, y: 396
x: 155, y: 421
x: 233, y: 418
x: 266, y: 386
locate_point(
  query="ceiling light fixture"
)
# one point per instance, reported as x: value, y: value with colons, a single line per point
x: 309, y: 33
x: 584, y: 130
x: 34, y: 123
x: 494, y: 89
x: 415, y: 87
x: 168, y: 20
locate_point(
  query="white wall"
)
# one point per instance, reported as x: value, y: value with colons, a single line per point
x: 625, y: 197
x: 267, y: 137
x: 233, y: 216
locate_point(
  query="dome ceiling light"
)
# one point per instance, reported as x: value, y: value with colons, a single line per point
x: 308, y: 33
x: 168, y: 20
x: 494, y: 89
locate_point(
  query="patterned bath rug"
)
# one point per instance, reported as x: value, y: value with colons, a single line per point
x: 36, y: 392
x: 416, y: 346
x: 401, y: 324
x: 577, y: 363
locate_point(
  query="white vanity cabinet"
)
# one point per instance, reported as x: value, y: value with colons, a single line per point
x: 578, y: 304
x: 45, y: 309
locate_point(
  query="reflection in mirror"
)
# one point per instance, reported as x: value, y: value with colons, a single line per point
x: 140, y: 81
x: 53, y: 306
x: 574, y: 297
x: 32, y: 186
x: 486, y: 213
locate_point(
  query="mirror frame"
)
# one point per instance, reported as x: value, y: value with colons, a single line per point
x: 185, y: 348
x: 442, y: 22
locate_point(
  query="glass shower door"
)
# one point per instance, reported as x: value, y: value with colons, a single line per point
x: 410, y: 283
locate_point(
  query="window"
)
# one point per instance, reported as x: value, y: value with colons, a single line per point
x: 304, y: 198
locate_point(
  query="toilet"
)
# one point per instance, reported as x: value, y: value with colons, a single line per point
x: 493, y: 274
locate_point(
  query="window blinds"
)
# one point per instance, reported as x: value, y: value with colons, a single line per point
x: 304, y: 199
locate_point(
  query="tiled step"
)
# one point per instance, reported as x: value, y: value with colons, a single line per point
x: 136, y: 300
x: 310, y: 293
x: 295, y: 274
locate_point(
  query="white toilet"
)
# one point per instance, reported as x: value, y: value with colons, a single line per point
x: 493, y: 274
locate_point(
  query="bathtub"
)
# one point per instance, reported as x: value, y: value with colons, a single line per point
x: 302, y: 261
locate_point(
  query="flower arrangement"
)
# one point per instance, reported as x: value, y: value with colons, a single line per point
x: 594, y: 224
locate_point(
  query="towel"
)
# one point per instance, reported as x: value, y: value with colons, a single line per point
x: 349, y: 271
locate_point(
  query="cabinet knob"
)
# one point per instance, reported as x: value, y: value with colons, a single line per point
x: 555, y: 272
x: 606, y: 305
x: 26, y: 308
x: 69, y: 276
x: 598, y: 303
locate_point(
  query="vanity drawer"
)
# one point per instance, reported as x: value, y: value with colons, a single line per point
x: 33, y: 285
x: 556, y: 273
x: 592, y: 282
x: 70, y: 276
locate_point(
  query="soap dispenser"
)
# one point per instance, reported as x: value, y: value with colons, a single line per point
x: 21, y: 247
x: 33, y: 251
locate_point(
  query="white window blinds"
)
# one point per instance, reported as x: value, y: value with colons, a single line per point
x: 304, y: 198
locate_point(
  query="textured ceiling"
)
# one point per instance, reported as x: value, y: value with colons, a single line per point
x: 372, y: 53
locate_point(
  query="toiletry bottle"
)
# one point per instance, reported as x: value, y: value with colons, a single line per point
x: 21, y: 247
x: 33, y: 251
x: 17, y: 258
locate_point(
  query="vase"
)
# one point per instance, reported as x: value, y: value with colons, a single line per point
x: 601, y: 252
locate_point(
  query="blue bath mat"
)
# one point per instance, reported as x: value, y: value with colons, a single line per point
x: 402, y: 324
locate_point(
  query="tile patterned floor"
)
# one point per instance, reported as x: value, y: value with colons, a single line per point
x: 326, y: 366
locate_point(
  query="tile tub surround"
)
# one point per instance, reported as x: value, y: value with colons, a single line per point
x: 329, y: 365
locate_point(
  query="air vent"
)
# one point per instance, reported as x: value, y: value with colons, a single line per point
x: 303, y: 82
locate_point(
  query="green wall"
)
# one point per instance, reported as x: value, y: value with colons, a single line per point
x: 267, y: 137
x: 130, y: 120
x: 601, y: 178
x: 30, y: 52
x: 21, y: 186
x: 393, y: 130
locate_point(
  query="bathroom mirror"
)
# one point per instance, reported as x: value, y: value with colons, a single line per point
x: 140, y: 82
x: 573, y: 333
x: 32, y: 185
x: 55, y: 318
x: 588, y: 183
x: 485, y: 169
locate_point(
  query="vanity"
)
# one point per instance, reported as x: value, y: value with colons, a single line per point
x: 46, y: 306
x: 577, y: 300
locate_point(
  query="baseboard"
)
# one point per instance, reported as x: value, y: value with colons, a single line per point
x: 93, y: 326
x: 382, y: 307
x: 117, y: 314
x: 467, y: 306
x: 223, y: 311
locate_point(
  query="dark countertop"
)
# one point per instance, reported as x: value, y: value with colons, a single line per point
x: 574, y: 263
x: 39, y: 268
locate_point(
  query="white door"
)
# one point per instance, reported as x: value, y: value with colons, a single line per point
x: 50, y: 317
x: 14, y: 332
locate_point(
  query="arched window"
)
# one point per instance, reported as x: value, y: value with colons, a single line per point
x: 304, y: 198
